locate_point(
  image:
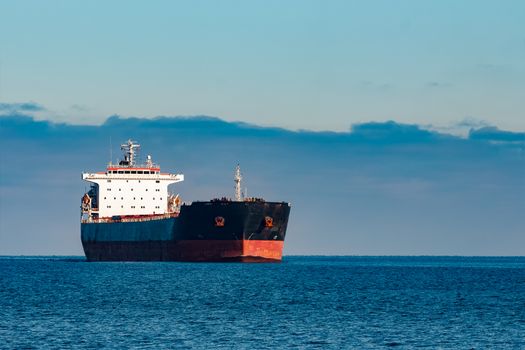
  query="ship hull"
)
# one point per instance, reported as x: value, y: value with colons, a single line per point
x: 204, y: 231
x: 201, y: 250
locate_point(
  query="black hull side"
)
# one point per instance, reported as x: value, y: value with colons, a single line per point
x: 194, y: 235
x: 242, y: 220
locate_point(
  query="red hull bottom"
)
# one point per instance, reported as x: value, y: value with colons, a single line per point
x: 246, y: 251
x: 189, y: 250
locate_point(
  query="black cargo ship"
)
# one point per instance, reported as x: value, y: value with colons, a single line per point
x: 128, y: 215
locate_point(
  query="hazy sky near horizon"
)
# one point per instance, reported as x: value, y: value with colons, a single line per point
x: 320, y: 65
x: 381, y: 189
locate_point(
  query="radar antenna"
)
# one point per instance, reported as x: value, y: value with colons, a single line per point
x: 130, y: 149
x: 237, y: 178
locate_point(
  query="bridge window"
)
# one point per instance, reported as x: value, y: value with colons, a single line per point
x: 133, y: 172
x: 126, y: 172
x: 140, y: 172
x: 120, y: 172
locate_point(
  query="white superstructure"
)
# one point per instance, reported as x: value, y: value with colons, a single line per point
x: 128, y: 189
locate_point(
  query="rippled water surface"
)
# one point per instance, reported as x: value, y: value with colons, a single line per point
x: 304, y: 302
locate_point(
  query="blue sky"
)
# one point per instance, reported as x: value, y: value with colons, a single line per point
x: 320, y: 65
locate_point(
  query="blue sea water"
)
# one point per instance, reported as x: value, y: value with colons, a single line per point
x: 304, y: 302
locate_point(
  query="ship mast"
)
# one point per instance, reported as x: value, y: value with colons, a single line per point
x: 129, y: 152
x: 237, y: 178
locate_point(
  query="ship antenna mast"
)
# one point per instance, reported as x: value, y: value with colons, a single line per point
x: 129, y: 151
x: 237, y: 178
